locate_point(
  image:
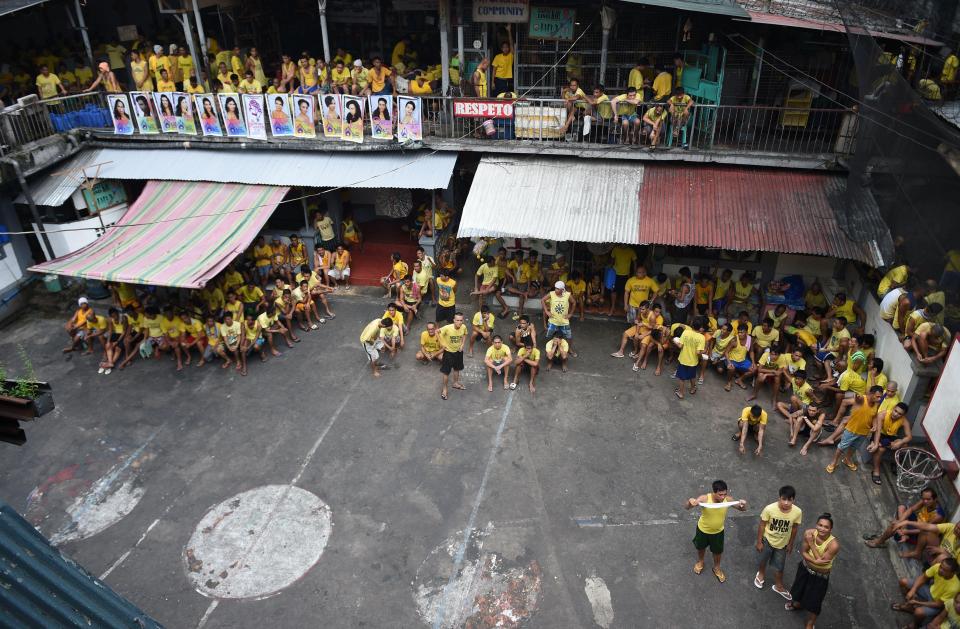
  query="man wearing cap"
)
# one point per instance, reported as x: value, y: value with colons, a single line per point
x: 360, y: 81
x: 558, y: 304
x: 77, y: 325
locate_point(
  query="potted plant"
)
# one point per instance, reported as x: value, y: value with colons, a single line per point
x: 24, y: 398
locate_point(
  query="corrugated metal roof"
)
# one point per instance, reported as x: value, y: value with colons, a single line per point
x: 415, y: 169
x: 53, y: 189
x: 12, y: 6
x: 749, y: 209
x: 761, y: 17
x: 39, y: 587
x: 553, y: 198
x: 719, y: 7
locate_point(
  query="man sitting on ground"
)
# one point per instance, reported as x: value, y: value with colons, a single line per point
x: 430, y: 346
x: 497, y: 359
x: 557, y: 348
x: 752, y: 418
x: 482, y: 327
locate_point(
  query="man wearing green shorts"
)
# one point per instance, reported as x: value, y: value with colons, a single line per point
x: 710, y: 525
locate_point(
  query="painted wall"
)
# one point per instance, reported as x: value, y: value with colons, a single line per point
x: 944, y: 409
x: 65, y: 241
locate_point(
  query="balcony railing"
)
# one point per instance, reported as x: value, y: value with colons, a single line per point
x: 538, y: 121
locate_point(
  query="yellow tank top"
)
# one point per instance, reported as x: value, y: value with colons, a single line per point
x: 722, y: 289
x: 846, y: 311
x: 117, y: 326
x: 817, y: 550
x: 711, y: 520
x: 559, y: 309
x: 738, y: 352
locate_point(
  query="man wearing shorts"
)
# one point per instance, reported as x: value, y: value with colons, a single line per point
x: 446, y: 296
x: 751, y: 418
x: 372, y: 340
x: 710, y: 525
x: 624, y: 259
x: 691, y: 344
x: 858, y: 428
x: 452, y: 337
x: 558, y: 304
x: 779, y: 522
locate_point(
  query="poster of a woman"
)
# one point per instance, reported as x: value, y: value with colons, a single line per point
x: 232, y: 116
x: 408, y: 123
x: 331, y: 115
x: 168, y: 120
x: 303, y: 124
x: 145, y: 113
x: 209, y: 117
x: 119, y: 112
x: 281, y: 123
x: 353, y: 119
x: 381, y: 117
x: 183, y: 110
x: 253, y: 110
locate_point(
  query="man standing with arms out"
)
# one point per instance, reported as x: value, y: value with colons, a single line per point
x: 624, y: 259
x: 818, y: 551
x: 858, y: 429
x: 446, y: 296
x: 497, y: 359
x: 48, y: 84
x: 558, y: 304
x: 710, y: 525
x: 452, y: 338
x: 503, y: 66
x: 638, y: 290
x: 372, y: 340
x: 692, y: 345
x: 430, y: 347
x: 751, y: 418
x: 779, y: 522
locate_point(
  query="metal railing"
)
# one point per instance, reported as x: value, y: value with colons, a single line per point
x: 766, y: 129
x: 746, y: 128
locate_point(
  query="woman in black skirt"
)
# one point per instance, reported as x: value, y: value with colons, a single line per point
x: 819, y: 550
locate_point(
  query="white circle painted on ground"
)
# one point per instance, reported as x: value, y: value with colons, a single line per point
x: 258, y: 542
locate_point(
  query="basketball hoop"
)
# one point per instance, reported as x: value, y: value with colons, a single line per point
x: 916, y: 469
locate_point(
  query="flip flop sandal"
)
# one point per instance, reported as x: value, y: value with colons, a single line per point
x: 677, y: 393
x: 443, y: 396
x: 757, y: 583
x: 783, y: 593
x: 876, y: 479
x: 831, y: 468
x: 853, y: 467
x: 698, y: 567
x: 513, y: 385
x: 721, y: 577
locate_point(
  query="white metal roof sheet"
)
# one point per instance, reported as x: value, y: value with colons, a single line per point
x: 554, y: 198
x: 55, y: 185
x: 413, y: 169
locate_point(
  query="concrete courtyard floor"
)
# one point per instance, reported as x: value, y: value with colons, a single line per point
x: 310, y: 494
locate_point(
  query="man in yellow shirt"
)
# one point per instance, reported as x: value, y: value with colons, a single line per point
x: 752, y: 418
x: 894, y: 278
x: 446, y: 296
x: 711, y: 524
x: 497, y: 359
x: 528, y: 357
x: 574, y: 101
x: 486, y: 282
x: 692, y: 345
x: 392, y: 280
x: 340, y: 80
x: 430, y: 347
x: 420, y: 86
x: 164, y: 84
x: 482, y: 327
x: 857, y: 431
x: 184, y: 65
x: 779, y: 522
x: 479, y: 79
x: 637, y: 290
x: 623, y: 258
x: 48, y: 84
x: 640, y: 72
x: 558, y: 304
x: 452, y: 337
x: 663, y: 85
x: 249, y: 85
x: 930, y: 593
x: 381, y: 79
x: 503, y: 66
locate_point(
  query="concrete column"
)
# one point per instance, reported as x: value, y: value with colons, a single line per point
x: 82, y: 25
x: 444, y: 9
x: 322, y: 4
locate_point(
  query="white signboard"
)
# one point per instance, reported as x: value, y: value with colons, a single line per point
x: 515, y: 11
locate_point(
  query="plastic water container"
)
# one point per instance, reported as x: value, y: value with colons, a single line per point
x: 52, y: 282
x: 489, y: 128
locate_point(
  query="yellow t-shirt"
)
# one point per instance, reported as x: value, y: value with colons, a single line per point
x: 84, y: 75
x: 446, y: 294
x: 48, y: 85
x: 265, y: 320
x: 452, y: 338
x: 850, y: 380
x: 622, y: 257
x: 531, y: 354
x: 250, y: 294
x: 503, y: 66
x: 420, y: 90
x: 230, y: 334
x: 234, y: 308
x: 250, y: 87
x: 785, y: 361
x: 498, y: 355
x: 430, y: 343
x: 378, y: 82
x: 152, y: 324
x: 662, y: 85
x: 750, y: 419
x: 489, y: 273
x: 400, y: 270
x: 640, y: 289
x: 803, y: 393
x: 896, y: 275
x: 942, y: 589
x: 766, y: 339
x: 172, y: 328
x: 372, y: 332
x: 396, y: 317
x: 779, y: 524
x: 340, y: 77
x: 478, y: 320
x: 861, y: 420
x: 184, y: 66
x: 166, y: 86
x: 693, y: 344
x: 140, y: 72
x: 577, y: 288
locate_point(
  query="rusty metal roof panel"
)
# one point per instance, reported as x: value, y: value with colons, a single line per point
x: 40, y: 587
x: 752, y: 209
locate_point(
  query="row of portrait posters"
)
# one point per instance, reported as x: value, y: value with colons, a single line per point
x: 251, y: 115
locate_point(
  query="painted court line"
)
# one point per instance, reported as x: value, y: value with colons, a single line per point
x: 206, y: 615
x: 458, y: 558
x: 123, y: 557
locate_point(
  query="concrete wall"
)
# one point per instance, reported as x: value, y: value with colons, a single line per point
x: 944, y: 410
